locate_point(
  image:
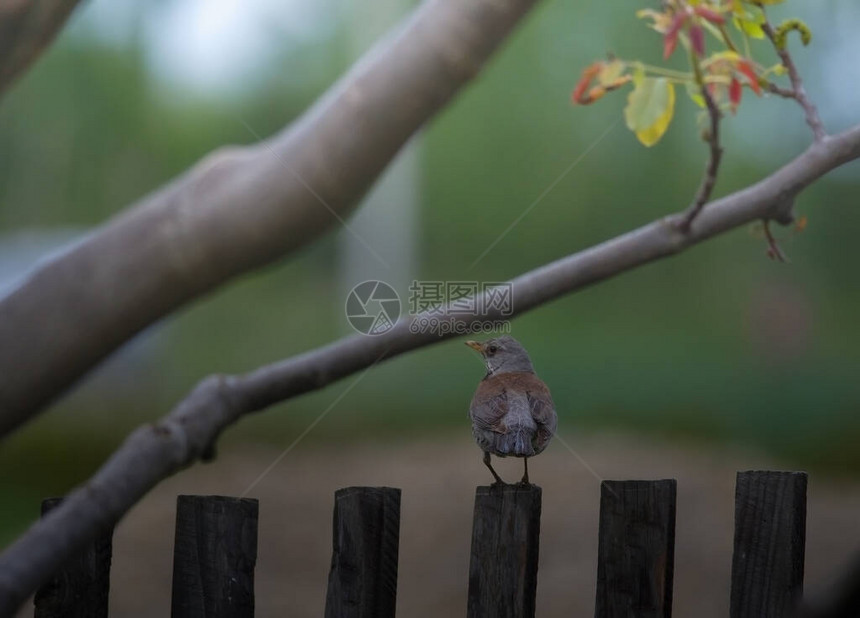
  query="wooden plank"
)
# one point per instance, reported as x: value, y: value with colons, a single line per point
x: 81, y: 588
x: 770, y: 538
x: 362, y: 582
x: 214, y: 556
x: 636, y: 549
x: 505, y: 544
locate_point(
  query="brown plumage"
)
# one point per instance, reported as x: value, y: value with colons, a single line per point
x: 512, y: 411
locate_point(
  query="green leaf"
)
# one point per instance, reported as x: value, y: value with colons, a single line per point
x: 650, y: 107
x: 749, y: 20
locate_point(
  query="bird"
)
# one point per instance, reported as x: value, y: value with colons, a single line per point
x: 512, y: 411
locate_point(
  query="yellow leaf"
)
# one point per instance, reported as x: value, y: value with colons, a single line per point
x: 749, y: 20
x: 611, y: 72
x: 660, y: 21
x: 650, y: 107
x: 731, y: 56
x: 750, y: 28
x: 777, y: 69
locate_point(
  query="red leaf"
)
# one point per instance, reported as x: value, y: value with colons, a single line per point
x: 711, y: 15
x: 670, y: 39
x: 735, y: 93
x: 588, y: 74
x: 697, y: 39
x: 745, y: 68
x: 670, y: 42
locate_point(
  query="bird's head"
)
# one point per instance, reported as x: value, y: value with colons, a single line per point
x: 503, y: 355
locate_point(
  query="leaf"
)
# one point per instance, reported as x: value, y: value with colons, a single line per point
x: 729, y: 55
x: 749, y: 20
x: 697, y: 39
x: 660, y: 21
x: 670, y: 39
x: 750, y: 28
x: 736, y: 91
x: 611, y: 72
x: 746, y: 69
x: 650, y: 107
x: 588, y: 74
x: 711, y: 15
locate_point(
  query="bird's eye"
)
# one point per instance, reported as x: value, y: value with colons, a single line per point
x: 492, y: 350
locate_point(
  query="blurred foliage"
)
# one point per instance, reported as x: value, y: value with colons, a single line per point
x: 717, y: 344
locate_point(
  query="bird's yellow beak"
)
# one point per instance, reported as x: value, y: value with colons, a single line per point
x: 475, y: 345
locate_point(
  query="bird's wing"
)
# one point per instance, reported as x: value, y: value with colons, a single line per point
x: 540, y: 401
x: 542, y: 409
x: 489, y: 406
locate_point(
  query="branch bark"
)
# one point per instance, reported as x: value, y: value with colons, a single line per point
x: 798, y: 91
x: 27, y: 28
x: 715, y: 155
x: 239, y: 208
x: 188, y: 433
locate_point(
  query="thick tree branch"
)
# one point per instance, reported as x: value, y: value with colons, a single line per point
x: 188, y: 433
x: 27, y: 28
x: 239, y: 208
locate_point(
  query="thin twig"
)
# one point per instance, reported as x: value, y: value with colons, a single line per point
x: 715, y: 155
x: 783, y: 92
x: 773, y: 250
x: 799, y: 92
x: 728, y: 40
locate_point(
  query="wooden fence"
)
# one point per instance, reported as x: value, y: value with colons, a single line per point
x: 216, y: 549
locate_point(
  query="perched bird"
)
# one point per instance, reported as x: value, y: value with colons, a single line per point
x: 512, y: 411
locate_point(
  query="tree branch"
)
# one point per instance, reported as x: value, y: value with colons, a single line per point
x: 188, y: 433
x: 27, y: 28
x: 797, y: 92
x: 773, y: 250
x: 715, y: 155
x: 239, y: 208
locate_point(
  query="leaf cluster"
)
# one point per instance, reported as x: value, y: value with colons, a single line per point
x: 717, y: 36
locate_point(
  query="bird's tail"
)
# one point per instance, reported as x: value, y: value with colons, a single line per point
x: 517, y: 442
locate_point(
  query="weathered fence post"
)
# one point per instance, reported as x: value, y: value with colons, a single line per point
x: 636, y: 549
x: 770, y: 537
x: 362, y: 582
x: 80, y: 589
x: 505, y: 543
x: 214, y: 556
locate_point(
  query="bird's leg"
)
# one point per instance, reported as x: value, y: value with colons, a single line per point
x: 489, y: 465
x: 525, y: 480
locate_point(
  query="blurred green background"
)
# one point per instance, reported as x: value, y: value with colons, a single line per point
x: 719, y: 344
